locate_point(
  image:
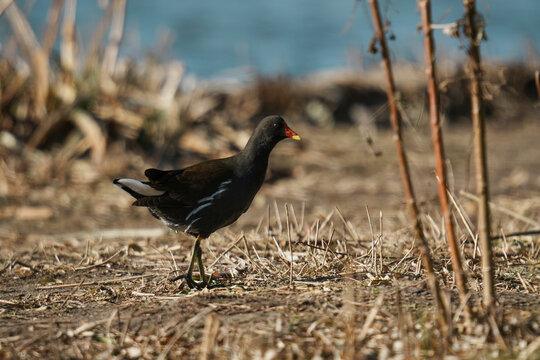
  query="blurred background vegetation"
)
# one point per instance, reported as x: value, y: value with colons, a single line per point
x: 177, y: 82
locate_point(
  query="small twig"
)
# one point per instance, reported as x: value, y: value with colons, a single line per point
x: 210, y: 333
x: 524, y: 283
x: 107, y: 234
x: 530, y: 350
x: 502, y: 209
x: 227, y: 250
x: 516, y: 234
x: 327, y: 248
x: 101, y: 263
x: 496, y: 331
x: 290, y: 245
x: 85, y: 327
x: 108, y: 324
x: 465, y: 219
x: 351, y: 232
x: 91, y: 283
x: 319, y: 248
x: 370, y: 317
x: 295, y: 220
x: 380, y: 240
x: 181, y: 330
x: 278, y: 217
x: 326, y: 220
x: 302, y: 216
x: 281, y: 253
x: 126, y: 328
x: 72, y: 293
x: 174, y: 261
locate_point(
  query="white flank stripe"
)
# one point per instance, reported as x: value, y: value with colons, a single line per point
x: 140, y: 188
x: 207, y: 201
x: 211, y: 197
x: 196, y: 210
x: 189, y: 226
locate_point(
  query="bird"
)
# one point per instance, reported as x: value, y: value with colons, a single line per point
x: 210, y: 195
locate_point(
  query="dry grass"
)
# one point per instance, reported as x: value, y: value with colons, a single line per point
x: 357, y: 289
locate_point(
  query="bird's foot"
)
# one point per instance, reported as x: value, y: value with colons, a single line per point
x: 198, y: 285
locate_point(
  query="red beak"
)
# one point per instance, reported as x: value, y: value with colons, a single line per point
x: 291, y: 134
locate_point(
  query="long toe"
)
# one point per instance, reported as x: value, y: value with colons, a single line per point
x: 190, y: 283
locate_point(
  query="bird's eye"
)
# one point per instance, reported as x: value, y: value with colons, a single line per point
x: 276, y: 125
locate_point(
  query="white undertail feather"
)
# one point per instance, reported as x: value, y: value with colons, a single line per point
x: 139, y: 187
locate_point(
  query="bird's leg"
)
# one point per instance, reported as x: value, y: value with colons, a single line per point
x: 204, y: 278
x: 189, y: 280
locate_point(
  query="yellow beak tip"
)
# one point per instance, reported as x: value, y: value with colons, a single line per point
x: 296, y: 137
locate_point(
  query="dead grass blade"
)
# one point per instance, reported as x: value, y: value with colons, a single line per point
x: 53, y: 23
x: 181, y: 331
x: 371, y: 317
x: 210, y: 333
x: 97, y: 37
x: 101, y: 263
x: 229, y: 248
x: 33, y: 53
x: 92, y: 283
x: 67, y: 43
x: 115, y: 37
x: 107, y: 234
x: 93, y: 136
x: 291, y: 284
x: 502, y: 209
x: 3, y: 5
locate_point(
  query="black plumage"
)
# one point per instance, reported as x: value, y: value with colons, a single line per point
x: 204, y: 197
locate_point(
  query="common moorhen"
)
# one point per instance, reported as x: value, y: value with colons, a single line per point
x: 207, y: 196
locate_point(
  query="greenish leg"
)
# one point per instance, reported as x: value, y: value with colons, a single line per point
x: 196, y: 254
x: 204, y: 278
x: 189, y: 273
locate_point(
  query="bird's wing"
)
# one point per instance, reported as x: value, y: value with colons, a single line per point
x: 194, y: 183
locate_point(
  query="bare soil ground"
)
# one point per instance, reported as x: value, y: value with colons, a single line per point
x: 71, y: 287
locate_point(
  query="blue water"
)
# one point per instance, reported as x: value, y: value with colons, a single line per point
x: 295, y: 37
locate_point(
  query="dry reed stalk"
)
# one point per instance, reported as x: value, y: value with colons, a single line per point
x: 53, y: 22
x: 482, y: 186
x: 34, y: 54
x: 290, y: 246
x: 97, y: 37
x: 3, y: 5
x: 67, y: 43
x: 115, y: 36
x: 423, y: 247
x: 91, y: 133
x: 278, y: 217
x: 438, y: 148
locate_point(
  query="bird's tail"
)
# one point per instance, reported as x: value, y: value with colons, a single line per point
x: 136, y: 188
